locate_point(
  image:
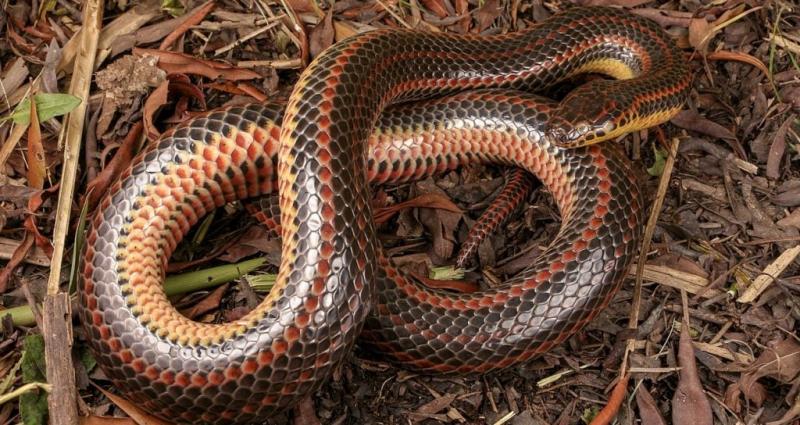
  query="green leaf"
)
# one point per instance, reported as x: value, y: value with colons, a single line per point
x: 87, y: 359
x: 589, y: 414
x: 48, y: 105
x: 658, y: 166
x: 173, y: 7
x: 33, y: 405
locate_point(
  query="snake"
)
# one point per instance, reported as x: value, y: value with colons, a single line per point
x: 383, y: 106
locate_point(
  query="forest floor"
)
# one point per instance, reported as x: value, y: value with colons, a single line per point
x: 723, y: 251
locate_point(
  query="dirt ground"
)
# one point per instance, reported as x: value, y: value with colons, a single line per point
x: 723, y: 251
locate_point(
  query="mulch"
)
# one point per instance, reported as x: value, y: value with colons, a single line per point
x: 715, y: 340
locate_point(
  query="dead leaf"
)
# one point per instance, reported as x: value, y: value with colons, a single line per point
x: 787, y: 198
x: 121, y: 159
x: 691, y: 120
x: 321, y: 37
x: 154, y: 102
x: 208, y: 303
x: 141, y: 417
x: 690, y: 405
x: 256, y: 239
x: 16, y: 258
x: 790, y: 414
x: 12, y: 79
x: 187, y: 21
x: 486, y: 14
x: 305, y: 412
x: 179, y: 63
x: 436, y: 7
x: 680, y: 263
x: 302, y: 6
x: 777, y: 148
x: 36, y: 164
x: 694, y: 122
x: 623, y: 3
x: 666, y: 18
x: 105, y: 420
x: 700, y: 33
x: 781, y: 362
x: 792, y: 220
x: 428, y: 200
x: 648, y: 409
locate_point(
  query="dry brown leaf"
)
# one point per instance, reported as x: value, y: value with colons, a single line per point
x: 208, y: 303
x: 254, y: 240
x: 623, y: 3
x: 141, y: 417
x: 486, y: 14
x: 16, y: 259
x: 187, y: 21
x: 122, y: 27
x: 666, y: 18
x: 122, y: 158
x: 105, y: 420
x: 699, y: 33
x: 436, y: 7
x: 781, y: 362
x: 343, y: 29
x: 791, y: 220
x: 648, y: 409
x: 787, y: 198
x: 156, y: 99
x: 36, y: 165
x: 680, y: 263
x: 695, y: 122
x: 428, y: 200
x: 462, y: 9
x: 12, y: 79
x: 305, y: 413
x: 302, y: 6
x: 321, y: 37
x: 180, y: 63
x: 690, y: 405
x: 778, y: 148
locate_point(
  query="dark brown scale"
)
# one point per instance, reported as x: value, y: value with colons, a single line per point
x: 332, y: 272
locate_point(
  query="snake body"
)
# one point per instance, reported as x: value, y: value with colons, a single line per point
x: 332, y: 273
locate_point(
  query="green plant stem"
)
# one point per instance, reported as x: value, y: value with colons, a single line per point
x: 173, y: 285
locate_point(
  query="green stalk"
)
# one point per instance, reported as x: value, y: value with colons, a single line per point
x: 173, y: 285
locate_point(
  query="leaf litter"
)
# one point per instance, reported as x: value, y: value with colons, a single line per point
x: 731, y: 212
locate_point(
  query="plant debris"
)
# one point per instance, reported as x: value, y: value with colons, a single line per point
x: 728, y: 234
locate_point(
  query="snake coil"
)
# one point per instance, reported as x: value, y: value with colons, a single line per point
x: 334, y: 280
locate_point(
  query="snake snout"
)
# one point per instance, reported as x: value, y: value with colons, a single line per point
x: 582, y: 121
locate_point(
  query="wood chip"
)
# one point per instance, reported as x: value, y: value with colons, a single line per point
x: 770, y: 273
x: 667, y: 276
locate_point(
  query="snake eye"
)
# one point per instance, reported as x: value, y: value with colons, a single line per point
x: 580, y: 130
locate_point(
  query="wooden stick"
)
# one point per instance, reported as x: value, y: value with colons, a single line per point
x: 57, y: 316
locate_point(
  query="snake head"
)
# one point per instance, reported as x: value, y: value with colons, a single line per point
x: 584, y: 118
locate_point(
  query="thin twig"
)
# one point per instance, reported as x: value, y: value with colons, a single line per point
x: 663, y: 185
